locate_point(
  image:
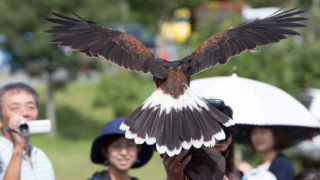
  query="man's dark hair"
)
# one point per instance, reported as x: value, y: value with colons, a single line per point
x: 18, y: 86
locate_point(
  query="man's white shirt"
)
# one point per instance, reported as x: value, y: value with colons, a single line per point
x: 41, y: 166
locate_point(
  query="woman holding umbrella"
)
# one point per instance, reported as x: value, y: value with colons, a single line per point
x: 259, y: 104
x: 269, y: 141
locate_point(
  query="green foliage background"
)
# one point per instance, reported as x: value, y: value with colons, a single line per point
x: 290, y: 64
x: 83, y: 108
x: 122, y: 100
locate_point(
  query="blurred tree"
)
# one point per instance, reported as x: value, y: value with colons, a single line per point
x: 290, y: 64
x: 123, y: 91
x: 283, y: 64
x: 155, y: 12
x: 23, y: 26
x: 266, y: 3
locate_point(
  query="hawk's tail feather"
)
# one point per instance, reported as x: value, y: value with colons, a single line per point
x: 174, y: 126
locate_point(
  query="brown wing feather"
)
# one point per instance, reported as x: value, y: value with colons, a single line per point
x: 250, y: 35
x: 95, y: 39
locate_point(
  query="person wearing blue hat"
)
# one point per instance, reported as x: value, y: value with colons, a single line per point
x: 112, y: 149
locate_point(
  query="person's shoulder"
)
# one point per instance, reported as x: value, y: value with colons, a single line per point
x: 6, y: 147
x: 282, y: 158
x: 282, y: 167
x: 281, y: 163
x: 100, y: 175
x: 4, y: 142
x: 2, y: 139
x: 105, y: 176
x: 39, y: 153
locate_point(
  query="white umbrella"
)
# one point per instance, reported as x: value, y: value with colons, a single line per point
x: 255, y: 103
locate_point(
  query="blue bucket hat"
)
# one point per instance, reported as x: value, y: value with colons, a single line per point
x: 113, y: 128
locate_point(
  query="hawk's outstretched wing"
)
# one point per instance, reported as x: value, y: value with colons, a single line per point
x: 250, y: 35
x: 96, y: 39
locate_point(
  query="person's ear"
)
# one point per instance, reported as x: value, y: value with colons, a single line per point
x: 227, y: 143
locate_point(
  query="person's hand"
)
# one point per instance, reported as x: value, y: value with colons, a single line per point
x: 174, y: 166
x: 244, y: 167
x: 17, y: 140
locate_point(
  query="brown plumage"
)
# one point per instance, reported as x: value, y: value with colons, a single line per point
x: 173, y: 117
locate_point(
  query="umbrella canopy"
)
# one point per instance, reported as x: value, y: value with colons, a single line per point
x: 257, y: 103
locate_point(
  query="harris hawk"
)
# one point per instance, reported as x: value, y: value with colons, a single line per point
x: 173, y: 117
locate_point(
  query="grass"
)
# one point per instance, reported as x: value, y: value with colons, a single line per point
x: 78, y: 124
x: 71, y: 159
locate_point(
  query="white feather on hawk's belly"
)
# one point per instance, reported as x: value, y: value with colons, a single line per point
x: 160, y: 110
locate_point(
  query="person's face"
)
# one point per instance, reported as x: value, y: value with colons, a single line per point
x: 122, y: 153
x: 262, y: 139
x: 17, y: 103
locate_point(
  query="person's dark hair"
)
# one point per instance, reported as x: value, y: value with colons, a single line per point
x: 220, y: 105
x: 111, y: 138
x: 310, y: 174
x: 18, y: 87
x: 280, y: 136
x: 228, y: 153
